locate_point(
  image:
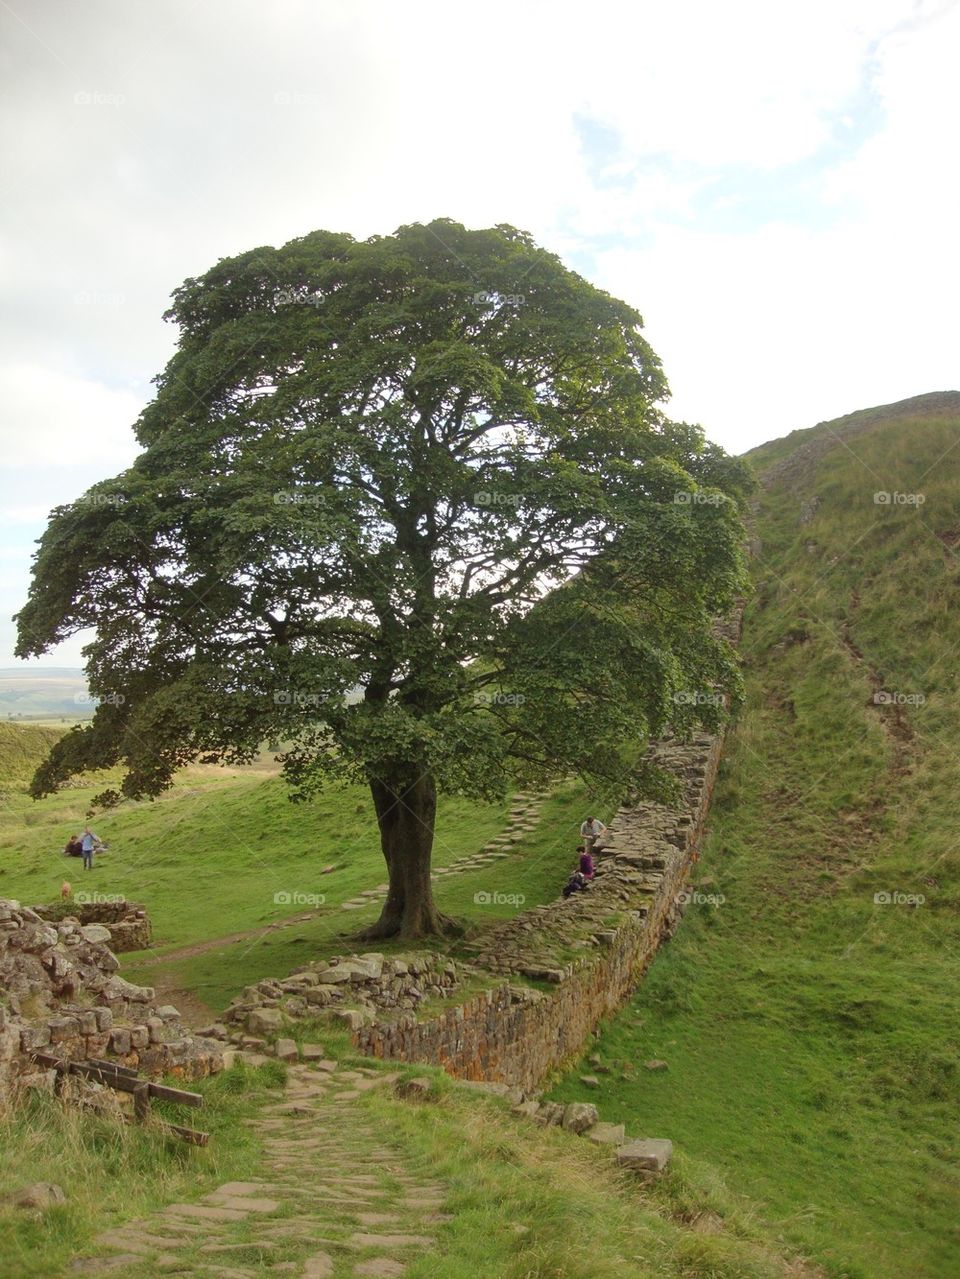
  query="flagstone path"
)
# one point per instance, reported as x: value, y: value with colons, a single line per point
x: 334, y: 1201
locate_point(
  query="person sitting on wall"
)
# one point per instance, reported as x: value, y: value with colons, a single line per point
x: 587, y: 868
x: 577, y: 883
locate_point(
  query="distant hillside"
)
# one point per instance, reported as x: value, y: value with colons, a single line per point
x: 45, y: 693
x: 22, y: 747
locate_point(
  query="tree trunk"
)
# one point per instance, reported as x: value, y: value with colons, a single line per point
x: 406, y: 811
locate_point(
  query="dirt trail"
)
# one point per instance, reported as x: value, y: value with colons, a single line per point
x: 333, y: 1200
x: 217, y: 943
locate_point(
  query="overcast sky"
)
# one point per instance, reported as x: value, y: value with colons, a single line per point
x: 774, y: 186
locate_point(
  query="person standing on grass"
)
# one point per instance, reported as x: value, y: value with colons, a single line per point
x: 590, y: 832
x: 88, y: 843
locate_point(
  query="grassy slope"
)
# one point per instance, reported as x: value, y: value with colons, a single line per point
x: 524, y: 1202
x: 21, y: 749
x: 812, y: 1035
x: 208, y: 858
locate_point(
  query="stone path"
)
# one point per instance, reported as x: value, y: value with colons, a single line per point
x: 334, y: 1200
x: 524, y: 817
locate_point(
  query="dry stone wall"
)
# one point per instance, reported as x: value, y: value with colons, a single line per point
x: 541, y: 981
x: 515, y: 1033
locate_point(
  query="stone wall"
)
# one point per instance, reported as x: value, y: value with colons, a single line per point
x: 517, y: 1034
x: 354, y: 990
x: 542, y: 980
x: 60, y: 992
x: 127, y: 926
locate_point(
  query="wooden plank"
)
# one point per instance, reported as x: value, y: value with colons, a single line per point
x: 163, y: 1093
x: 141, y: 1101
x: 48, y: 1060
x: 120, y: 1077
x: 111, y: 1065
x: 191, y: 1135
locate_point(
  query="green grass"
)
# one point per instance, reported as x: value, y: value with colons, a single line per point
x: 22, y: 746
x: 812, y: 1035
x: 534, y: 1203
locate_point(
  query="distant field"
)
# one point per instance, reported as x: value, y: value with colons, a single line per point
x: 56, y: 694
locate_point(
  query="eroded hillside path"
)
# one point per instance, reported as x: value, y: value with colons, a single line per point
x: 334, y: 1200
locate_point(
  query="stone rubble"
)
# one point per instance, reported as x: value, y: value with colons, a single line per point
x: 60, y: 992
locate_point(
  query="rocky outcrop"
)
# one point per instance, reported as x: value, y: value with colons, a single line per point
x: 61, y: 992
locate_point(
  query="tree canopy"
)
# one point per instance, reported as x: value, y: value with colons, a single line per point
x: 410, y: 506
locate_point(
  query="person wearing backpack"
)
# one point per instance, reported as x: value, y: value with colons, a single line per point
x: 577, y: 883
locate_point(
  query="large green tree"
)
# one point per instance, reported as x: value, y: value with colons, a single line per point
x: 408, y: 506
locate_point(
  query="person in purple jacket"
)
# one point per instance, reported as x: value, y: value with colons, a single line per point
x: 587, y: 869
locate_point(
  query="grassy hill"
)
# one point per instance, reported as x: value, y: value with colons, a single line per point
x: 22, y: 747
x: 810, y: 1021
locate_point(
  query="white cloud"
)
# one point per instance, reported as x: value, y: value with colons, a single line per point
x: 59, y: 419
